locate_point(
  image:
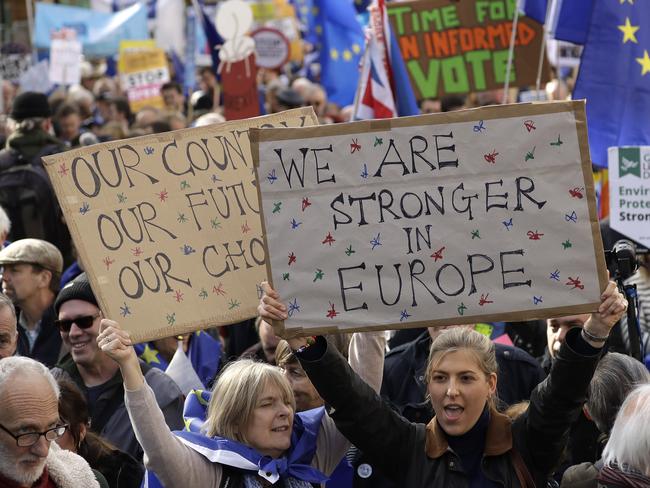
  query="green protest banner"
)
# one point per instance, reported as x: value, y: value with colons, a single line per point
x: 461, y: 47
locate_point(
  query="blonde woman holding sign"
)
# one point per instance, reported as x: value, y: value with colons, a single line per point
x: 468, y: 443
x: 248, y: 436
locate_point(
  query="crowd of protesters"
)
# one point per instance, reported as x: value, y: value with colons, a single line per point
x: 80, y: 406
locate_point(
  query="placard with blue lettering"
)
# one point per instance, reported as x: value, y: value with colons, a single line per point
x: 479, y: 215
x: 168, y: 226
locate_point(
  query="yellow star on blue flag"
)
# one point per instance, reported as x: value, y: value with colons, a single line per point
x: 149, y: 355
x: 614, y: 75
x: 628, y: 31
x: 341, y: 38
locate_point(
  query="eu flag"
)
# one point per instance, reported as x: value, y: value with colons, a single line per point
x: 361, y: 6
x: 568, y: 19
x: 204, y: 354
x: 307, y: 19
x: 614, y: 76
x: 341, y: 45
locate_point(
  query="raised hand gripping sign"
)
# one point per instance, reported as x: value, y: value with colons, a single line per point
x: 480, y: 215
x: 167, y: 226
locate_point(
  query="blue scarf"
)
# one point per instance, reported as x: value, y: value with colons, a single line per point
x: 295, y: 464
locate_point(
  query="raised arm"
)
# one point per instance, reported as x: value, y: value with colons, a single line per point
x: 173, y: 463
x: 541, y: 433
x: 359, y: 413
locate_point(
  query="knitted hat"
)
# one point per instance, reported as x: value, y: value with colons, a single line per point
x: 30, y: 104
x: 77, y: 289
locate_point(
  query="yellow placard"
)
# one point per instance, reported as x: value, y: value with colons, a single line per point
x: 143, y: 73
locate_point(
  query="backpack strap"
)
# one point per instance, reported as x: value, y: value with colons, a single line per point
x: 524, y: 476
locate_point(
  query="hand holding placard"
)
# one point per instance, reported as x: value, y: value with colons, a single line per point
x: 438, y: 219
x: 167, y: 226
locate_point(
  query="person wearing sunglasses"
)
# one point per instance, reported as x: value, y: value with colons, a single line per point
x: 98, y: 376
x: 29, y: 422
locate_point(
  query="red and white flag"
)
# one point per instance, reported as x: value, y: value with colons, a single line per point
x: 375, y: 97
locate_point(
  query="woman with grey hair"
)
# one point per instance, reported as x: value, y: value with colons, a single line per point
x: 627, y: 454
x: 615, y: 376
x: 249, y: 436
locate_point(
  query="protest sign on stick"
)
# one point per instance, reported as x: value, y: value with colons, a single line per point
x: 629, y: 192
x: 13, y: 65
x: 143, y: 73
x: 480, y: 215
x: 460, y: 47
x: 65, y: 57
x: 167, y: 226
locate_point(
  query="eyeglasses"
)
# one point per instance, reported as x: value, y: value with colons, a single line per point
x: 31, y: 438
x: 82, y: 322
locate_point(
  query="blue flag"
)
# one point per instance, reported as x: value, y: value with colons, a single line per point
x: 404, y: 96
x: 614, y: 76
x: 569, y: 20
x: 204, y: 353
x: 307, y: 19
x: 341, y: 46
x: 361, y: 6
x: 213, y: 38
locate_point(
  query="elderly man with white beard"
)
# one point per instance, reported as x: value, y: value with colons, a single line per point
x: 29, y: 422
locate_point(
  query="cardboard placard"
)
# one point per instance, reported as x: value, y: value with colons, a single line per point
x: 629, y: 192
x: 167, y: 226
x: 13, y: 65
x: 143, y: 73
x: 472, y: 216
x: 65, y: 61
x: 452, y: 47
x: 37, y: 78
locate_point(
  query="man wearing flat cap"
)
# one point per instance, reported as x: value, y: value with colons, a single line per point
x: 31, y: 273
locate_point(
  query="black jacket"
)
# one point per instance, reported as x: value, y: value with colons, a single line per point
x: 404, y: 387
x: 120, y: 469
x: 47, y: 348
x: 417, y: 455
x: 109, y: 417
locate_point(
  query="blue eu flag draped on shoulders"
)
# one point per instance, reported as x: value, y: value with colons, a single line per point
x: 295, y: 463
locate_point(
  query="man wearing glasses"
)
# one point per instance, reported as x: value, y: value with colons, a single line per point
x: 98, y: 376
x: 30, y: 278
x: 29, y: 422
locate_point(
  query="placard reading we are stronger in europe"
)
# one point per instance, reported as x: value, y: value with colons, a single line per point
x: 480, y: 215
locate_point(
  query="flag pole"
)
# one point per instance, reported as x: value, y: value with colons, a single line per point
x: 357, y: 95
x: 540, y: 63
x: 511, y: 52
x: 30, y: 28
